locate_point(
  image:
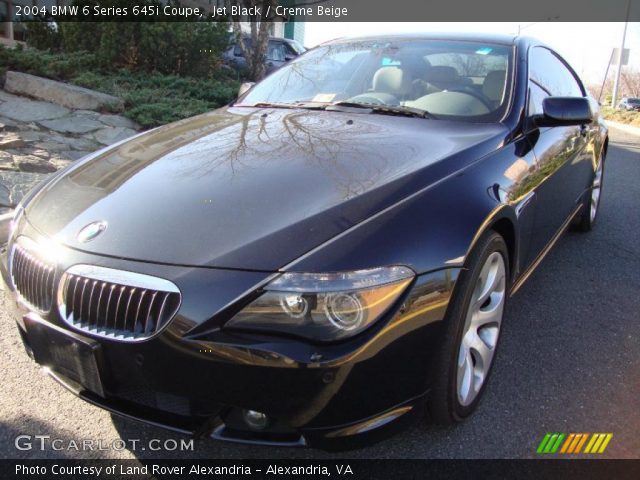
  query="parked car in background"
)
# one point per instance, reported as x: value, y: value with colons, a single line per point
x: 279, y: 52
x: 630, y: 103
x: 321, y: 261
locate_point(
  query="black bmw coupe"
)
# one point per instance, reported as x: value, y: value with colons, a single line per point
x: 323, y: 259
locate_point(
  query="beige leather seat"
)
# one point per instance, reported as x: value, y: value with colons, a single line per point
x: 493, y: 86
x: 394, y: 81
x: 442, y: 77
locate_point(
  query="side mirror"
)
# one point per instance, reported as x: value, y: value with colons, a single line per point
x: 288, y: 57
x: 559, y: 111
x: 245, y: 87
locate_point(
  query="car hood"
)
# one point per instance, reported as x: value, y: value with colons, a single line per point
x: 249, y: 188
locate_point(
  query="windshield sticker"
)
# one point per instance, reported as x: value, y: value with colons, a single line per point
x: 484, y: 51
x: 324, y: 97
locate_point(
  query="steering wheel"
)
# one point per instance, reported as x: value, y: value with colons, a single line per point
x: 376, y: 98
x: 477, y: 96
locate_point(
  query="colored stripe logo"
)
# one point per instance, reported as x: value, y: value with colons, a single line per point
x: 574, y: 443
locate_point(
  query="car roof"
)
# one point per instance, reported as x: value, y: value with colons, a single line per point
x: 476, y: 37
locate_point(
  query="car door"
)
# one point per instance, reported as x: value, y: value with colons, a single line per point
x: 238, y: 59
x: 563, y: 162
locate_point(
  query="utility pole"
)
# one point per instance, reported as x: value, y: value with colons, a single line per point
x: 606, y: 74
x: 616, y: 84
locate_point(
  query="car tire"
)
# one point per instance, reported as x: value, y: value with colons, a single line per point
x: 591, y: 203
x: 460, y: 358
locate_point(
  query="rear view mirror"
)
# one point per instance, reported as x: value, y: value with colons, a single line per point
x: 560, y: 111
x: 244, y: 88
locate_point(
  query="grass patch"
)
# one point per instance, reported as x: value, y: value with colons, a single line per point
x: 151, y: 99
x: 156, y: 99
x: 621, y: 116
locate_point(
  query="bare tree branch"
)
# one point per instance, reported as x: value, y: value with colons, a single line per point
x: 254, y: 50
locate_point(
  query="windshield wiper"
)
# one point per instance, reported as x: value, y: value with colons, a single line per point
x: 337, y: 106
x: 385, y: 109
x: 298, y: 104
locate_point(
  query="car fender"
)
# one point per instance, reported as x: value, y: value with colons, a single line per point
x: 432, y: 229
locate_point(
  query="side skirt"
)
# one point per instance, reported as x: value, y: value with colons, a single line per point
x: 527, y: 273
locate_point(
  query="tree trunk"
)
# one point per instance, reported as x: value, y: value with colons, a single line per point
x: 259, y: 36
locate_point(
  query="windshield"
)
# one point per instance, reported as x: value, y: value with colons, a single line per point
x: 456, y: 79
x: 634, y: 101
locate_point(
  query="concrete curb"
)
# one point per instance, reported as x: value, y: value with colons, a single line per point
x: 625, y: 128
x: 67, y: 95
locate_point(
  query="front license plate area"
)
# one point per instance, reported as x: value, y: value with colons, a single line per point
x: 65, y: 353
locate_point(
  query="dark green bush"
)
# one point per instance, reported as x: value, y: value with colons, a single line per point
x: 164, y: 71
x: 151, y: 99
x: 79, y: 37
x: 182, y: 48
x: 43, y: 35
x: 47, y: 64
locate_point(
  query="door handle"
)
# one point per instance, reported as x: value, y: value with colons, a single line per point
x: 583, y: 130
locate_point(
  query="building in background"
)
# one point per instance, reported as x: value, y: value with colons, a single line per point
x: 294, y: 30
x: 8, y: 30
x: 12, y: 31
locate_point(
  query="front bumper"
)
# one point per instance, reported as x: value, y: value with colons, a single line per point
x: 197, y: 378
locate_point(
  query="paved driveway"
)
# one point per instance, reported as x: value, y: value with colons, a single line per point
x: 569, y: 359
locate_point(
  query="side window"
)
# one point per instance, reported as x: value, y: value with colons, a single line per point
x: 548, y: 71
x: 237, y: 51
x: 536, y: 96
x: 276, y: 52
x: 288, y: 50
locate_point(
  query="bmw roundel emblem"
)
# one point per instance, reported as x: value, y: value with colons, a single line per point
x: 91, y: 231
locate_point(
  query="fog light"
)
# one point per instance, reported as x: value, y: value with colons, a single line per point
x: 256, y: 420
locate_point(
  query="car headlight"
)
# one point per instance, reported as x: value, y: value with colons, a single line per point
x: 324, y: 306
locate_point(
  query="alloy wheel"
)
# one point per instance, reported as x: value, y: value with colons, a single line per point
x: 482, y: 328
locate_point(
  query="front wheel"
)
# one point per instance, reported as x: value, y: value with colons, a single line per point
x: 591, y: 203
x: 472, y: 331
